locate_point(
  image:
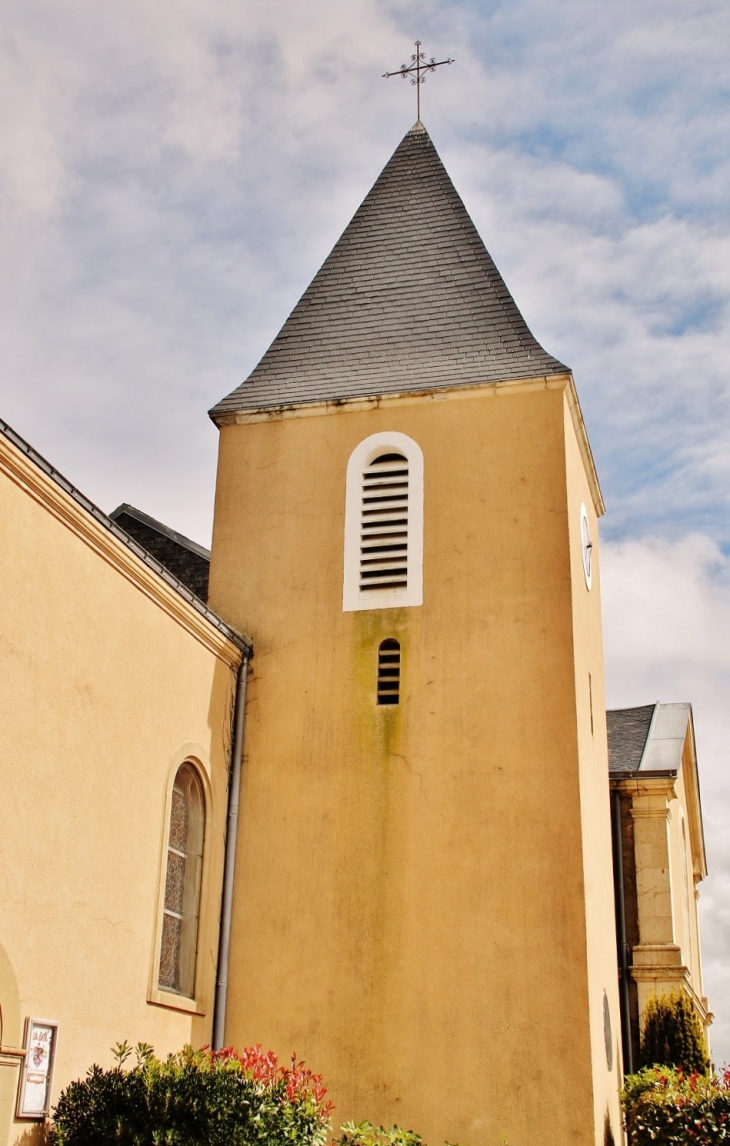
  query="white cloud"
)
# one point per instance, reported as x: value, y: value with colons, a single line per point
x: 666, y: 624
x: 37, y: 91
x: 159, y: 180
x: 668, y: 607
x: 639, y: 308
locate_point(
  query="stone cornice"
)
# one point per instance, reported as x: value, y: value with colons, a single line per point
x: 438, y: 394
x: 32, y: 474
x: 672, y: 975
x: 639, y: 784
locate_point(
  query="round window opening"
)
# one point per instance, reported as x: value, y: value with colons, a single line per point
x: 607, y: 1032
x: 586, y: 546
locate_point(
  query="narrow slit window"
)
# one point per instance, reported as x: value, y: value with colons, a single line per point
x: 389, y: 672
x: 384, y: 524
x: 181, y: 911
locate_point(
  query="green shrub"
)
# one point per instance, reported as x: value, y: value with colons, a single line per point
x: 673, y: 1034
x: 217, y: 1098
x: 365, y: 1134
x: 205, y: 1098
x: 664, y: 1106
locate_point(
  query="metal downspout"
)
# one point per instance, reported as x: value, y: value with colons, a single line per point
x: 623, y: 950
x: 234, y: 791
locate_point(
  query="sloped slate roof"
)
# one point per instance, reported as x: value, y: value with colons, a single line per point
x: 628, y: 729
x: 648, y: 739
x: 409, y: 299
x: 185, y: 559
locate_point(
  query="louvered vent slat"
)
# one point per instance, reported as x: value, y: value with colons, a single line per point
x: 384, y: 524
x: 389, y: 672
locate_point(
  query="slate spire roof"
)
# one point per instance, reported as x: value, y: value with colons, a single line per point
x: 409, y: 299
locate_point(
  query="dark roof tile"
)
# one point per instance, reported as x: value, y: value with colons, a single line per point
x: 628, y: 729
x: 187, y: 560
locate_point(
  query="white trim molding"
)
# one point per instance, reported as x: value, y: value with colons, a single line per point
x: 354, y: 597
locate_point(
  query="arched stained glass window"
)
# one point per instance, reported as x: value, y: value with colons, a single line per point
x: 182, y: 884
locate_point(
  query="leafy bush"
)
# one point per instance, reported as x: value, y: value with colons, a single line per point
x: 196, y: 1096
x: 365, y: 1134
x: 664, y: 1106
x: 673, y: 1034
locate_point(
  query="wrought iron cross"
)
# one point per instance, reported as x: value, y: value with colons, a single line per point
x: 418, y: 67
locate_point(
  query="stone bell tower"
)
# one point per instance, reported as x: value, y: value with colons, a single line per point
x: 406, y: 524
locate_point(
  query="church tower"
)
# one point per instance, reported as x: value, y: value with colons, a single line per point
x: 406, y: 524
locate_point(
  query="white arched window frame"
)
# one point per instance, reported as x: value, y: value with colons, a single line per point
x: 355, y: 597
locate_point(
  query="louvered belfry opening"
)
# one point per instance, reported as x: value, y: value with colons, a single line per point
x: 384, y: 524
x: 389, y: 672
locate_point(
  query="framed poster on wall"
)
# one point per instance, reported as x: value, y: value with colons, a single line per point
x: 36, y: 1076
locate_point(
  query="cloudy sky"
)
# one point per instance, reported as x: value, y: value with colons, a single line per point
x: 172, y: 174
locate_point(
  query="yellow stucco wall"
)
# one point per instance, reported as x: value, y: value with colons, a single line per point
x: 595, y: 798
x: 105, y: 691
x: 412, y: 882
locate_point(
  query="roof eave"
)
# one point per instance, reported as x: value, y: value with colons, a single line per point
x: 558, y: 381
x: 37, y: 464
x: 616, y: 775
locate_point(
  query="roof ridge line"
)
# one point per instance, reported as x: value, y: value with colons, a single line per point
x: 161, y: 528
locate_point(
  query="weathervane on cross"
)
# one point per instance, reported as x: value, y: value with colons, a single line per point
x: 418, y: 65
